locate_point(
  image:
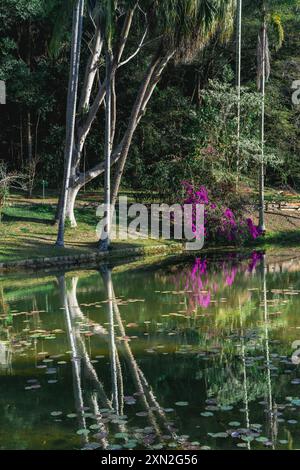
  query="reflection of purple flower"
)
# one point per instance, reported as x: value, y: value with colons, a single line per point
x: 204, y: 300
x: 202, y: 282
x: 256, y: 257
x: 230, y: 277
x: 199, y: 267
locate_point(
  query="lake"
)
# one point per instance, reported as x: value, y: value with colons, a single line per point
x: 188, y: 353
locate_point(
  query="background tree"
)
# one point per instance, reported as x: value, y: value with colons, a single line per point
x: 71, y: 112
x: 263, y: 75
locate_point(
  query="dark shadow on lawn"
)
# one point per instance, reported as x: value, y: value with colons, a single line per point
x: 14, y: 218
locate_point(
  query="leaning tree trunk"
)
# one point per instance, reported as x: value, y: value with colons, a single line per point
x: 146, y: 91
x: 71, y: 113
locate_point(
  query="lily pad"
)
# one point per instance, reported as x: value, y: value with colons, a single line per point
x: 56, y: 413
x: 83, y: 432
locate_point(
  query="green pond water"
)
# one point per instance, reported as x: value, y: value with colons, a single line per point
x: 193, y: 354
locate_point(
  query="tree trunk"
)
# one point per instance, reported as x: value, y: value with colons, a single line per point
x: 30, y: 150
x: 71, y: 113
x: 70, y: 215
x: 105, y: 242
x: 147, y: 88
x: 29, y: 137
x: 262, y: 163
x: 239, y: 60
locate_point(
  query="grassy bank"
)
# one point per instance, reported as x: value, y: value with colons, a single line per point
x: 27, y: 230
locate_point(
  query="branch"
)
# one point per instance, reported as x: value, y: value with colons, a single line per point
x: 141, y: 44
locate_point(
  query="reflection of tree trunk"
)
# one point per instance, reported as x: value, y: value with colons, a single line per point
x: 271, y: 406
x: 76, y: 360
x: 112, y: 341
x: 98, y: 393
x: 89, y: 368
x: 245, y: 384
x: 142, y: 386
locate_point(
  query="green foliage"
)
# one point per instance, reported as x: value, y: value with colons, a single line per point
x: 189, y: 130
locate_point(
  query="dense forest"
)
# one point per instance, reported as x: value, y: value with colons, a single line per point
x: 189, y: 130
x: 181, y: 101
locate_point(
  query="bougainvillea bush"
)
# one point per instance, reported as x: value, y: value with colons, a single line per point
x: 221, y: 223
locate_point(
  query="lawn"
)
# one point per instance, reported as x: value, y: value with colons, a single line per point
x: 27, y: 229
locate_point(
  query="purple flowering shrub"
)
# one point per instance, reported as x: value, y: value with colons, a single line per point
x: 220, y: 222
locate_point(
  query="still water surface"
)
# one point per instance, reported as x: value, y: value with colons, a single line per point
x: 193, y: 354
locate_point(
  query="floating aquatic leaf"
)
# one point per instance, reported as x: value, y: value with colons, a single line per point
x: 95, y: 427
x: 235, y: 424
x: 182, y: 403
x: 72, y: 415
x: 130, y: 445
x: 256, y: 426
x: 222, y: 435
x: 262, y: 439
x: 121, y: 435
x: 206, y: 414
x: 92, y: 446
x: 226, y: 408
x: 248, y: 438
x: 83, y: 432
x: 157, y: 447
x: 56, y: 413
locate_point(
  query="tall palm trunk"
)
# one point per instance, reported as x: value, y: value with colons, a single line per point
x: 264, y: 72
x: 239, y: 62
x: 71, y: 113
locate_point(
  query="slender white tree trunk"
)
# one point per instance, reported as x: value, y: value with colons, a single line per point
x: 239, y: 61
x: 262, y: 162
x: 71, y: 113
x: 105, y: 242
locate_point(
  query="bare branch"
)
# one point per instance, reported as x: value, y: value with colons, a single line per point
x: 141, y: 44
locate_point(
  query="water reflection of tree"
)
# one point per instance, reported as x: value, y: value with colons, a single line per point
x: 94, y: 392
